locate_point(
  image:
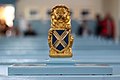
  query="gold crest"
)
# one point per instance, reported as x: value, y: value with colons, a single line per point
x: 60, y: 39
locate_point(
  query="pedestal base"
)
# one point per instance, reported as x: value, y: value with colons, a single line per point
x: 60, y: 55
x: 44, y: 69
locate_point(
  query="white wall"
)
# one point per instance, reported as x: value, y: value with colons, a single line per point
x: 95, y: 6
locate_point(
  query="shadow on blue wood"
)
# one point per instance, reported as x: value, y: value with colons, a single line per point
x: 63, y: 77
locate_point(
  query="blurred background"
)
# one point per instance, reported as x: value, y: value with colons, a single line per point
x: 98, y: 18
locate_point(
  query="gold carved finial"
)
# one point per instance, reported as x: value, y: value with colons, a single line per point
x: 60, y: 39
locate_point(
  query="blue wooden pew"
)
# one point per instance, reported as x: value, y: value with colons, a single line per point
x: 36, y: 56
x: 86, y: 51
x: 90, y: 43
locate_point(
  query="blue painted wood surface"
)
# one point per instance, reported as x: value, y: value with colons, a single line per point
x: 41, y: 69
x: 35, y: 51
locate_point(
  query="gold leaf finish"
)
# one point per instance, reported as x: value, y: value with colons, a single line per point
x: 60, y: 22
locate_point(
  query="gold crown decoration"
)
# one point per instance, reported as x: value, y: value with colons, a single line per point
x: 60, y: 39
